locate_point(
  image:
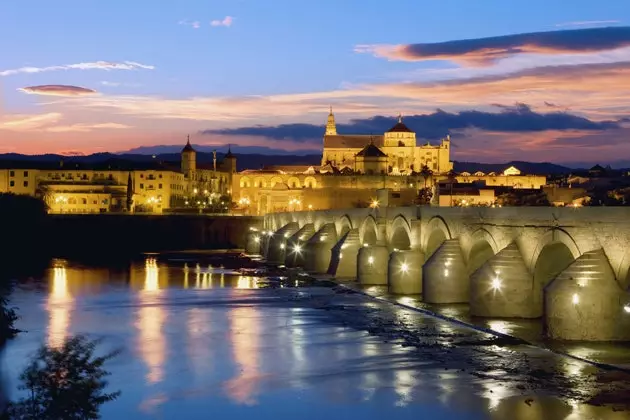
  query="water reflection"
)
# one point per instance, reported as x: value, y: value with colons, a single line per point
x: 308, y: 358
x: 244, y: 335
x: 60, y: 303
x: 151, y: 318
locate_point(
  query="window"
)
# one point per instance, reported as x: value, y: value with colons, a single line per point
x: 84, y: 201
x: 26, y: 183
x: 12, y: 173
x: 160, y: 186
x: 141, y: 186
x: 160, y: 176
x: 25, y: 174
x: 12, y: 184
x: 141, y: 175
x: 105, y: 201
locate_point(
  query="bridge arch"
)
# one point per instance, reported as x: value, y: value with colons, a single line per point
x: 437, y: 231
x: 344, y: 225
x: 368, y: 232
x: 400, y: 233
x: 482, y: 248
x: 556, y: 250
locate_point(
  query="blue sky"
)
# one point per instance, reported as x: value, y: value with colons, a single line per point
x: 304, y: 55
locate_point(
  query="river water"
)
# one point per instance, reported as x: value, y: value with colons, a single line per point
x: 199, y: 341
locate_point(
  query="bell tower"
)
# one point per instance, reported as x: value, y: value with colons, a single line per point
x: 331, y: 127
x: 189, y: 160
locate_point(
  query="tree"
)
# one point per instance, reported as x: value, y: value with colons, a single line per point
x: 129, y: 192
x: 64, y: 383
x: 424, y: 196
x: 426, y: 174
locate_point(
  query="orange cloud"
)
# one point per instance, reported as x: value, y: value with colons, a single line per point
x: 57, y: 90
x: 598, y: 91
x: 28, y: 122
x: 83, y: 128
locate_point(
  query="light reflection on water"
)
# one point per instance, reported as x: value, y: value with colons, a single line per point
x: 530, y: 330
x: 199, y: 340
x: 151, y: 317
x: 59, y: 306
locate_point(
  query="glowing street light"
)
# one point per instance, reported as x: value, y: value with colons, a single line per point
x: 371, y: 260
x: 297, y: 249
x: 496, y: 283
x: 404, y: 268
x: 374, y: 204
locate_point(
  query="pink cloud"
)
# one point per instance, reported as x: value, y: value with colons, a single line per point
x: 226, y: 21
x: 57, y: 90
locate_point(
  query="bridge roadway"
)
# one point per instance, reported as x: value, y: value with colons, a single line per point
x: 570, y: 266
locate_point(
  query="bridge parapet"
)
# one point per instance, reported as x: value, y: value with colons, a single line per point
x: 505, y: 258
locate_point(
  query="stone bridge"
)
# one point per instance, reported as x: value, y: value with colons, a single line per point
x: 567, y: 265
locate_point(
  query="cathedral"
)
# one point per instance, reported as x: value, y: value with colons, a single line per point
x: 393, y: 153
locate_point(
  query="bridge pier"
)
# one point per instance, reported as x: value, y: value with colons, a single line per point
x: 445, y: 277
x: 343, y: 260
x: 277, y: 251
x: 503, y: 287
x: 404, y: 272
x: 585, y: 302
x: 253, y: 246
x: 265, y: 238
x: 295, y: 253
x: 372, y: 262
x: 318, y: 249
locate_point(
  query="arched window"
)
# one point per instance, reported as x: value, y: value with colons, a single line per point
x: 310, y: 182
x: 245, y: 182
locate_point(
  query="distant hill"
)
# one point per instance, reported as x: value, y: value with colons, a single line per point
x: 244, y: 160
x: 221, y: 149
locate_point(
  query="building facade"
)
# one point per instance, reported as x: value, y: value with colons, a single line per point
x: 113, y: 186
x: 398, y: 144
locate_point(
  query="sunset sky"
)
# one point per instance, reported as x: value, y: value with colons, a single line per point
x: 536, y: 80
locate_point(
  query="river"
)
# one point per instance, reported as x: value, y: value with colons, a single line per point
x: 200, y: 341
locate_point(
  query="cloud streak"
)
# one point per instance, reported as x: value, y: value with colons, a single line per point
x: 20, y: 122
x: 599, y: 91
x: 193, y: 24
x: 226, y: 21
x: 518, y: 118
x: 96, y: 65
x: 57, y: 90
x: 484, y: 52
x: 84, y: 128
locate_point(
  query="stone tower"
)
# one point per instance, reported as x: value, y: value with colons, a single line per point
x: 331, y: 127
x: 189, y: 160
x: 230, y: 161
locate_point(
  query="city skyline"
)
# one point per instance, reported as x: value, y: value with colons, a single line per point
x: 508, y: 82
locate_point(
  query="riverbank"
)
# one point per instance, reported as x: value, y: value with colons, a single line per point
x: 604, y: 355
